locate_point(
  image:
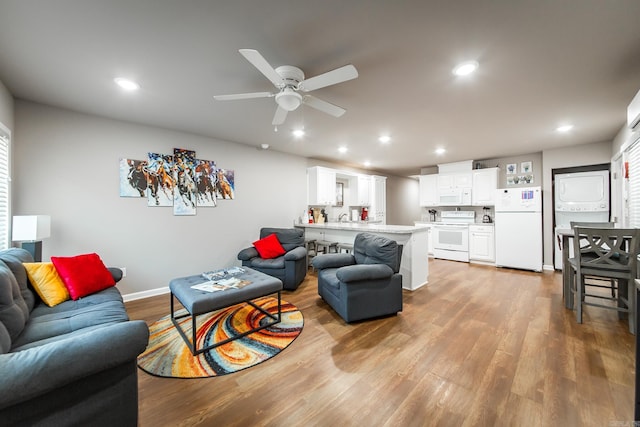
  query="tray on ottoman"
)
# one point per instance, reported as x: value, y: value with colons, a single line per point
x: 197, y: 302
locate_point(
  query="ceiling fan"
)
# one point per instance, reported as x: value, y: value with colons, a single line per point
x: 290, y: 81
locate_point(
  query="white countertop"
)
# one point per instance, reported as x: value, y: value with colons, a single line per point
x: 358, y: 226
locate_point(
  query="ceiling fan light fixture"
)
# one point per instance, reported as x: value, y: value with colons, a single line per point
x: 288, y: 99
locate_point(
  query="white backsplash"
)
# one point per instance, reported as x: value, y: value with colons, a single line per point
x: 425, y: 216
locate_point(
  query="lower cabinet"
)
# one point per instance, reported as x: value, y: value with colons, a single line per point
x: 482, y: 243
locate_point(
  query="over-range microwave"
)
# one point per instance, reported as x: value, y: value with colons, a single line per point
x: 454, y: 197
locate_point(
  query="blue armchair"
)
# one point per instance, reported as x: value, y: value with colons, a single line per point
x: 364, y: 284
x: 291, y: 267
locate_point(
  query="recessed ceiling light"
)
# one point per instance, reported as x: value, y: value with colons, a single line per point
x: 126, y: 84
x: 465, y: 68
x: 564, y: 128
x: 342, y: 149
x: 440, y: 151
x: 298, y: 133
x: 384, y: 139
x: 367, y: 163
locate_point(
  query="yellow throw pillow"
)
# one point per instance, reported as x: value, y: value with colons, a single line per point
x: 45, y: 280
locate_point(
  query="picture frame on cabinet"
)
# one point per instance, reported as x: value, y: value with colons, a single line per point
x: 339, y: 194
x: 512, y: 168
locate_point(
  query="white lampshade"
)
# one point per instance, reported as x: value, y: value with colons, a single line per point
x: 31, y: 228
x: 289, y: 99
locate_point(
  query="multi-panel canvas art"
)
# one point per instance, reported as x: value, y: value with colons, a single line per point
x: 179, y: 180
x: 160, y: 178
x: 133, y: 180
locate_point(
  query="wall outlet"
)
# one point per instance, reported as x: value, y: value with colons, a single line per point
x: 124, y: 271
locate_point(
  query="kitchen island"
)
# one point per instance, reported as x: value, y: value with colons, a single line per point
x: 414, y: 265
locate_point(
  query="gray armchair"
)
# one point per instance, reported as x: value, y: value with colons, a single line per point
x: 291, y: 267
x: 363, y: 285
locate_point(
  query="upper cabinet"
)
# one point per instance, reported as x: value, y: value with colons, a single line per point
x: 429, y: 190
x: 485, y: 184
x: 321, y: 186
x: 447, y: 181
x: 363, y: 190
x: 378, y: 199
x: 455, y: 187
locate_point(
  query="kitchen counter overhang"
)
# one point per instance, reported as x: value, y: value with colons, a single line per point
x: 414, y: 265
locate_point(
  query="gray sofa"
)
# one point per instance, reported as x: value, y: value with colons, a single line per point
x: 363, y: 285
x: 291, y: 267
x: 71, y: 364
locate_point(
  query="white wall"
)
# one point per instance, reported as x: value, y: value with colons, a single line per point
x: 403, y: 206
x: 66, y: 165
x: 582, y: 155
x: 6, y: 107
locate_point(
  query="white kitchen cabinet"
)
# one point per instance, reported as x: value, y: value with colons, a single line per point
x: 362, y: 190
x: 485, y: 183
x: 448, y: 181
x: 378, y: 199
x: 429, y: 190
x: 482, y: 243
x: 321, y: 186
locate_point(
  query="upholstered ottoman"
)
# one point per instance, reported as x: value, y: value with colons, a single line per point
x: 197, y: 302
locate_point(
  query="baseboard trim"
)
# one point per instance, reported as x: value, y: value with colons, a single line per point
x: 145, y: 294
x: 548, y: 267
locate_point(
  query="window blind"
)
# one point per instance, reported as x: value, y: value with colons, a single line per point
x: 4, y: 192
x: 634, y: 184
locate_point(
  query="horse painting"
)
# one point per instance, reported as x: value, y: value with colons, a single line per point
x: 137, y: 176
x: 186, y: 187
x: 223, y: 187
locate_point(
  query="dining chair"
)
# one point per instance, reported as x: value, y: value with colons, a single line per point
x: 607, y: 253
x: 574, y: 224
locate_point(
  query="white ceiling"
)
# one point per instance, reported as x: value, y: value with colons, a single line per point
x: 542, y: 63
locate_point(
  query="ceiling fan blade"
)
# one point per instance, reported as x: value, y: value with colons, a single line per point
x: 329, y: 78
x: 242, y: 96
x: 279, y: 117
x: 324, y: 106
x: 258, y: 61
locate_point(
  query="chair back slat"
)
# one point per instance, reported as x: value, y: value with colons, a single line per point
x: 611, y: 249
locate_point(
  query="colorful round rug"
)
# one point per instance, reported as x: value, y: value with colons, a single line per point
x: 167, y: 355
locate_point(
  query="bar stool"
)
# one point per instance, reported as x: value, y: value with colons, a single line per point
x: 312, y: 250
x: 347, y: 247
x: 326, y: 246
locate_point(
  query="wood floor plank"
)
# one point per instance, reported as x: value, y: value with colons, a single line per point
x: 477, y: 346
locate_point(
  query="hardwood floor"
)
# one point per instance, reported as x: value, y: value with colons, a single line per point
x: 478, y: 346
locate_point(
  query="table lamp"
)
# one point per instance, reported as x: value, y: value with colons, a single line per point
x: 30, y: 230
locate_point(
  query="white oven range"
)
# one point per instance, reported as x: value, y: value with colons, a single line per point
x: 451, y: 235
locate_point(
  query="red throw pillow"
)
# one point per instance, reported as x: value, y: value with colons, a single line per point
x: 269, y: 247
x: 83, y: 274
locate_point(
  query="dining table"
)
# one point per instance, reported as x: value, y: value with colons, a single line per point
x: 566, y: 236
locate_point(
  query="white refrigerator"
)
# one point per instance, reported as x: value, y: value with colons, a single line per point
x: 518, y: 228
